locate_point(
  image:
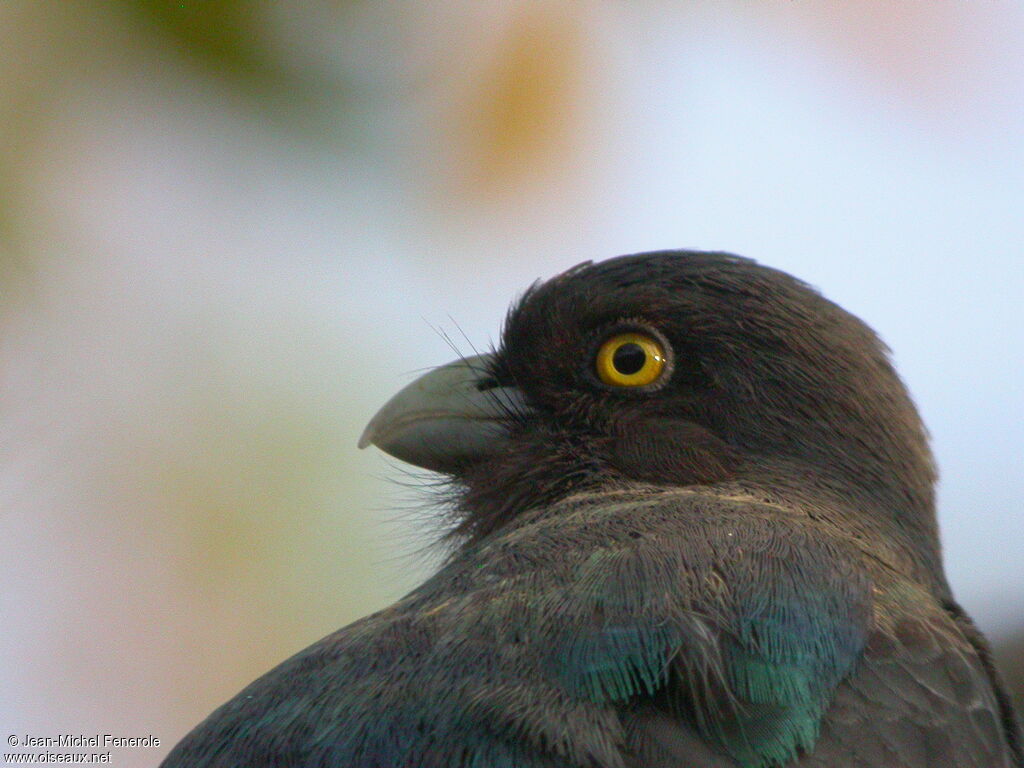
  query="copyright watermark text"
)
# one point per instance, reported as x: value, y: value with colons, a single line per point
x: 72, y: 748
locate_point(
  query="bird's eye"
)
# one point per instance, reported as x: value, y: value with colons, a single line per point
x: 631, y: 360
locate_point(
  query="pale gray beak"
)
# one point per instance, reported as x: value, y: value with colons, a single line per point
x: 449, y: 418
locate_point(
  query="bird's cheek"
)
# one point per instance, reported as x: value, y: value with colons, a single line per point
x: 670, y: 451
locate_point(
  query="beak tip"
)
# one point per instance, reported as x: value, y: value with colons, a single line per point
x: 366, y: 439
x: 443, y: 421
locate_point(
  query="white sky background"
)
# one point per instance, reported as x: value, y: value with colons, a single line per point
x: 211, y: 254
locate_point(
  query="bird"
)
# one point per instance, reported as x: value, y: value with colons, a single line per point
x: 691, y: 522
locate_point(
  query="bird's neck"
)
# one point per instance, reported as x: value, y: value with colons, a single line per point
x: 877, y: 509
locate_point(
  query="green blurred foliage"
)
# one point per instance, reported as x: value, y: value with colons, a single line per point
x: 52, y: 50
x: 231, y: 39
x: 222, y: 34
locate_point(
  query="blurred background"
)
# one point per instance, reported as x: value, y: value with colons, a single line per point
x: 230, y: 229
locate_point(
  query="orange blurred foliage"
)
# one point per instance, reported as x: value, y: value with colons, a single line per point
x: 522, y: 119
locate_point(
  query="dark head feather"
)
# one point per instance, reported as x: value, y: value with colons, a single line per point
x: 773, y: 385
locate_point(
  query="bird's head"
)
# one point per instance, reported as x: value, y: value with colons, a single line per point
x: 670, y: 368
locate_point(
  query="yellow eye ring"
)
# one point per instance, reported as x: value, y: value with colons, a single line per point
x: 631, y: 360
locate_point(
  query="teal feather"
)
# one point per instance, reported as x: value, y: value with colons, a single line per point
x: 755, y: 664
x: 616, y: 663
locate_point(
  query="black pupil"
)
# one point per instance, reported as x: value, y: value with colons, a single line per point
x: 629, y: 358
